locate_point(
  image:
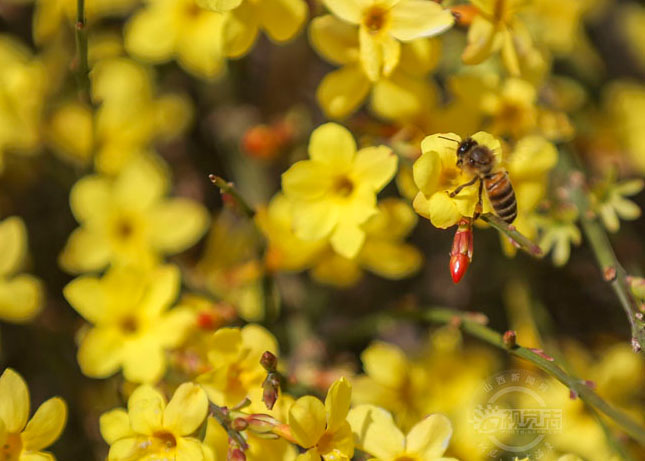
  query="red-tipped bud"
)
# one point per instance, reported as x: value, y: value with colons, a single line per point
x: 269, y: 361
x: 462, y: 250
x: 510, y: 339
x: 239, y: 424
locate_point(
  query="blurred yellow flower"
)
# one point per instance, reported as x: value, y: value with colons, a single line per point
x: 384, y: 24
x: 280, y: 19
x: 234, y: 359
x: 131, y: 326
x: 558, y: 231
x: 21, y: 295
x: 436, y: 174
x: 401, y: 94
x: 181, y: 29
x: 322, y: 429
x: 21, y: 438
x: 610, y: 200
x: 128, y: 219
x: 376, y: 434
x: 511, y: 108
x: 153, y: 429
x: 23, y: 87
x: 334, y: 192
x: 496, y: 28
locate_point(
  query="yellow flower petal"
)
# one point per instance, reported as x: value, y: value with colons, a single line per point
x: 86, y: 295
x: 307, y: 420
x: 257, y: 340
x: 177, y: 224
x: 219, y: 5
x: 385, y: 363
x: 347, y: 10
x: 333, y: 145
x: 115, y: 425
x: 144, y: 361
x: 445, y: 144
x: 189, y: 449
x: 309, y: 455
x: 201, y: 47
x: 85, y: 251
x: 375, y: 166
x: 141, y: 183
x: 13, y: 244
x: 429, y: 438
x: 240, y: 30
x: 419, y: 18
x: 392, y: 260
x: 14, y: 401
x: 282, y: 19
x: 391, y: 53
x: 335, y: 40
x: 150, y: 34
x: 42, y: 456
x: 21, y: 298
x: 314, y: 220
x: 172, y: 328
x: 335, y: 270
x: 216, y: 438
x: 3, y: 433
x: 125, y: 449
x: 371, y: 54
x: 186, y: 410
x: 101, y: 352
x: 482, y: 41
x: 145, y: 408
x: 532, y: 157
x: 402, y: 97
x: 375, y: 432
x: 427, y: 172
x: 342, y: 441
x: 161, y: 291
x: 337, y: 403
x: 419, y: 57
x: 307, y: 180
x: 342, y: 91
x: 90, y: 198
x: 509, y: 54
x: 347, y: 239
x: 46, y: 425
x: 443, y: 210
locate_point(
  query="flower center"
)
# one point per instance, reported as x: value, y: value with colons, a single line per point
x: 129, y: 324
x: 166, y: 439
x: 375, y: 18
x: 499, y: 11
x: 325, y: 443
x: 343, y: 186
x: 405, y: 458
x: 193, y: 9
x: 11, y: 449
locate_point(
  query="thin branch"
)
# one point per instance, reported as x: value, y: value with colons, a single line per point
x: 518, y: 239
x: 82, y: 61
x: 612, y: 272
x: 228, y: 189
x: 547, y: 364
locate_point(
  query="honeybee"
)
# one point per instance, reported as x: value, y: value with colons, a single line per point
x: 480, y: 161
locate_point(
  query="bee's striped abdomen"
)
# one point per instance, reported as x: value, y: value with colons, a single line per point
x: 502, y: 196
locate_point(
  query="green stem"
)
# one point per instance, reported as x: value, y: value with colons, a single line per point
x: 229, y: 189
x: 83, y: 70
x: 512, y: 233
x: 613, y: 273
x: 549, y: 365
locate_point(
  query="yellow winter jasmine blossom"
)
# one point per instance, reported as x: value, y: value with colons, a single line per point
x: 21, y: 295
x: 280, y: 19
x: 375, y: 433
x: 153, y: 429
x: 334, y: 192
x: 611, y: 202
x: 131, y: 325
x: 234, y: 358
x: 128, y: 219
x: 497, y: 27
x: 21, y: 438
x: 322, y: 428
x: 165, y: 29
x: 383, y: 24
x: 436, y: 174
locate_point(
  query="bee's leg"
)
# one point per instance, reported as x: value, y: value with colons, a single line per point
x: 460, y: 188
x: 479, y: 207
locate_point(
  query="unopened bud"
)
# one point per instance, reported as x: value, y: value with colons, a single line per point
x: 270, y: 390
x: 239, y: 424
x: 510, y: 339
x: 637, y: 285
x: 269, y: 361
x: 236, y: 454
x: 461, y: 253
x: 261, y: 424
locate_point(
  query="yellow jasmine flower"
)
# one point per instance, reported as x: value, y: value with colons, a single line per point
x: 280, y: 19
x: 384, y: 252
x: 496, y: 28
x: 611, y: 203
x: 383, y: 24
x: 403, y: 93
x: 21, y: 438
x: 334, y: 192
x: 23, y: 87
x: 436, y: 174
x: 181, y: 29
x: 127, y: 219
x: 557, y: 232
x: 131, y: 327
x: 322, y: 429
x: 153, y: 429
x: 21, y: 295
x: 512, y: 108
x: 375, y: 433
x: 234, y: 359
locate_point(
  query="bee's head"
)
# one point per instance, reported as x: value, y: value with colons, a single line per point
x: 464, y: 147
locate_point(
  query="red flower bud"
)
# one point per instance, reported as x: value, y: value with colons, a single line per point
x: 462, y: 250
